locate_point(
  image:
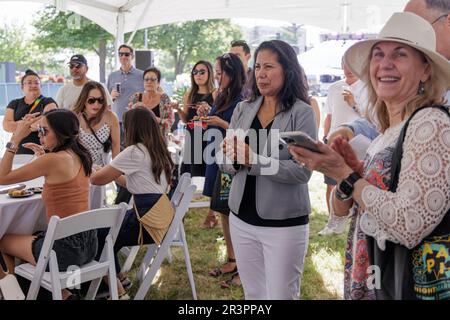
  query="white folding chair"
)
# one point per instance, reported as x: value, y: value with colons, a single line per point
x: 161, y: 251
x: 94, y: 271
x: 131, y: 252
x: 179, y: 240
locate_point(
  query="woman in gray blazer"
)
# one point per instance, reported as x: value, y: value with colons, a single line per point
x: 269, y: 195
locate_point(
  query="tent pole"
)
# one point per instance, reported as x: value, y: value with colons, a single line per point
x: 119, y: 34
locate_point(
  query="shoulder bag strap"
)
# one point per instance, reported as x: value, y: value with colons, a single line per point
x: 36, y: 103
x: 90, y: 128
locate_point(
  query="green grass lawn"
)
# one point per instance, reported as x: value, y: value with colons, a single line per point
x: 323, y: 271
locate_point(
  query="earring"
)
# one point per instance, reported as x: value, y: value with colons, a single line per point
x: 421, y: 88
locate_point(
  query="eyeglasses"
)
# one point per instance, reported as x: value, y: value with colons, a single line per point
x: 100, y: 100
x: 30, y: 83
x: 76, y: 66
x: 42, y: 131
x: 126, y: 54
x: 150, y: 79
x: 440, y: 17
x: 200, y: 72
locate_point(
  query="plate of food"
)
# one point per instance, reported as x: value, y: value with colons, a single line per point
x: 36, y: 189
x: 23, y: 193
x: 198, y: 122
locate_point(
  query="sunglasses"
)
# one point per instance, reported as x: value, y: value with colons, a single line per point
x: 150, y: 79
x: 76, y: 66
x: 30, y: 83
x: 42, y: 131
x: 100, y: 100
x: 126, y: 54
x: 200, y: 72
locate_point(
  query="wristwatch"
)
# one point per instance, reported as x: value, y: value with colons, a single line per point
x: 345, y: 189
x: 11, y: 147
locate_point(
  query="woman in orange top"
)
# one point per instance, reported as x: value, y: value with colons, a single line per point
x: 66, y: 168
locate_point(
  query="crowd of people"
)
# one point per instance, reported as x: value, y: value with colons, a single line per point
x: 397, y: 198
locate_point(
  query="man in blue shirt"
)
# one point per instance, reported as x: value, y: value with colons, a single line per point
x: 124, y: 82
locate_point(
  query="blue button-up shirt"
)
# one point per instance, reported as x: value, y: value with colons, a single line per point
x: 130, y: 83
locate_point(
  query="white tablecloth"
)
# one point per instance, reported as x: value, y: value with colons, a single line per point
x: 22, y: 215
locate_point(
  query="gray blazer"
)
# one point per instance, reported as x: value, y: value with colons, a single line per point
x: 282, y: 194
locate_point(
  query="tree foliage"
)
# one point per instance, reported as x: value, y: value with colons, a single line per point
x: 59, y: 30
x: 16, y: 47
x: 191, y: 41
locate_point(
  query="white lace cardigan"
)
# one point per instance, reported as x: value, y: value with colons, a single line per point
x: 423, y: 193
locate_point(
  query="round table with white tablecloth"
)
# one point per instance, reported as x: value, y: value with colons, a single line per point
x: 23, y: 215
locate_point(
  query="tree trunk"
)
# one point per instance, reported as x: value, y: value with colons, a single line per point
x: 179, y: 65
x: 102, y: 56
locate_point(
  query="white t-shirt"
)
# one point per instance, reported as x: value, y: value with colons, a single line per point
x: 135, y: 163
x: 339, y: 109
x: 68, y: 95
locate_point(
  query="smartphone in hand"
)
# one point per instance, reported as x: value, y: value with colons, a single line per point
x: 299, y: 138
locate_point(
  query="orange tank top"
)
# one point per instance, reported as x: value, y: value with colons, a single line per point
x: 68, y: 198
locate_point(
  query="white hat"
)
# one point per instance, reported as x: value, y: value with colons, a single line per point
x: 403, y: 27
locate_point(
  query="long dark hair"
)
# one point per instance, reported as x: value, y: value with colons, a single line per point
x: 80, y: 105
x: 141, y: 127
x: 66, y: 126
x: 295, y: 87
x: 209, y: 82
x: 231, y: 64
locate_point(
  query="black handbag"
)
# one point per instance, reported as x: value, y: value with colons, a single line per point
x: 221, y: 193
x: 107, y: 145
x: 418, y: 273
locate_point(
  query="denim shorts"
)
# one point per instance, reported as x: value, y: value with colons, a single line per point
x: 75, y: 250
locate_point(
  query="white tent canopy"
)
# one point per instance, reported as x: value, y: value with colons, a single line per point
x: 122, y: 16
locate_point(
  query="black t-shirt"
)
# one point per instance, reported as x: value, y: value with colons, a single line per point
x: 247, y: 208
x: 21, y: 108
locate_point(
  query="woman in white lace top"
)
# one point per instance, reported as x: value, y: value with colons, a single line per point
x: 398, y: 244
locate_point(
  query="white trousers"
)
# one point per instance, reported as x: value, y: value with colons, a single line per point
x: 270, y: 260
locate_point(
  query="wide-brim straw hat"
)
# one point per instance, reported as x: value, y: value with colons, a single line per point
x: 403, y: 27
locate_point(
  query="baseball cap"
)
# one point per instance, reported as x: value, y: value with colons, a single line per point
x: 78, y: 58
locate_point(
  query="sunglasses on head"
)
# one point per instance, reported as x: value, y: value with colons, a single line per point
x: 42, y: 131
x: 126, y: 54
x: 150, y: 79
x: 100, y: 100
x: 200, y: 72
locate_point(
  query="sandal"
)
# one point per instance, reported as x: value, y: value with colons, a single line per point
x: 218, y: 271
x: 126, y: 283
x: 234, y: 281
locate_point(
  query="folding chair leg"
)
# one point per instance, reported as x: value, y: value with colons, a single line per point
x: 147, y: 280
x: 169, y: 256
x: 93, y: 288
x: 143, y: 268
x: 54, y: 273
x: 187, y: 259
x: 130, y: 259
x: 112, y: 270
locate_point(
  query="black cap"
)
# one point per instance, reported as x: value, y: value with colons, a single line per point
x: 78, y: 58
